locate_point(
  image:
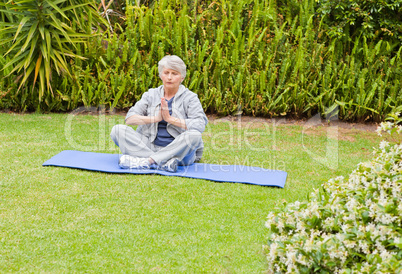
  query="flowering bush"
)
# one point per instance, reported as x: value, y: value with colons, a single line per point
x: 351, y: 225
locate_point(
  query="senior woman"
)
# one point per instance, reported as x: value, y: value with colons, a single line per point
x: 170, y: 121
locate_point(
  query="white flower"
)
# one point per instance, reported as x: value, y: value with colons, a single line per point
x: 328, y: 222
x: 345, y: 228
x: 350, y: 244
x: 385, y: 255
x: 291, y: 258
x: 302, y: 260
x: 386, y: 219
x: 344, y: 256
x: 364, y: 247
x: 399, y: 129
x: 340, y: 236
x: 280, y: 225
x: 383, y: 144
x: 272, y: 250
x: 351, y: 204
x: 379, y: 246
x: 379, y: 131
x: 300, y: 227
x: 308, y: 246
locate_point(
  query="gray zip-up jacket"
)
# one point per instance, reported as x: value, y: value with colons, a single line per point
x: 186, y: 105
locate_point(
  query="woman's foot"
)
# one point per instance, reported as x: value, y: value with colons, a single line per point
x: 171, y: 165
x: 127, y: 161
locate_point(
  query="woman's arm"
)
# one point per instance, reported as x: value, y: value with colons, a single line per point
x: 196, y: 118
x: 139, y: 113
x: 177, y: 122
x: 142, y: 120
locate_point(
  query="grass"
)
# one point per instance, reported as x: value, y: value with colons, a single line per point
x: 65, y: 220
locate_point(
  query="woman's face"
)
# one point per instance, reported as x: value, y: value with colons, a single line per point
x: 171, y: 78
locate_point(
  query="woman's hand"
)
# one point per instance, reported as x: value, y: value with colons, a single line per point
x: 165, y: 110
x: 168, y: 118
x: 158, y: 116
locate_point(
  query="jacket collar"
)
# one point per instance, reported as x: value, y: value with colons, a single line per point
x: 181, y: 90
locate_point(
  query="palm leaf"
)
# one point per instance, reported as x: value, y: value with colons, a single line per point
x: 27, y: 74
x: 31, y: 33
x: 37, y: 67
x: 20, y: 25
x: 54, y: 6
x: 13, y: 61
x: 16, y: 44
x: 32, y: 50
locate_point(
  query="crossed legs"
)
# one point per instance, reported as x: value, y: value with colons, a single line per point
x: 132, y: 143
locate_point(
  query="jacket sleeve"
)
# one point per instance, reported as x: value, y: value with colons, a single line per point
x: 196, y: 118
x: 139, y: 108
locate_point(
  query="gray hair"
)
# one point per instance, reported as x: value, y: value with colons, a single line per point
x: 172, y: 62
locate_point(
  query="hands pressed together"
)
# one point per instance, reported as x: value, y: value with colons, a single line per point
x: 165, y: 115
x: 162, y: 115
x: 164, y: 112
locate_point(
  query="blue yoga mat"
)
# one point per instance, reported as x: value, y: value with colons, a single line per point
x: 105, y: 162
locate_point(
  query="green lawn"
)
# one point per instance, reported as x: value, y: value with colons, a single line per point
x: 65, y: 220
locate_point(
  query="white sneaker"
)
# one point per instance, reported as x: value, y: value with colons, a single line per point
x: 127, y: 161
x: 171, y: 165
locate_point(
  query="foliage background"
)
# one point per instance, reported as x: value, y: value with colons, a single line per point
x: 260, y: 58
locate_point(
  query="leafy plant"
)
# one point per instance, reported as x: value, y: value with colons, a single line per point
x: 260, y: 58
x: 372, y: 19
x: 42, y: 38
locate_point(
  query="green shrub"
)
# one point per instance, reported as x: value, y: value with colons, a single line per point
x: 373, y: 19
x: 351, y: 225
x: 257, y: 57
